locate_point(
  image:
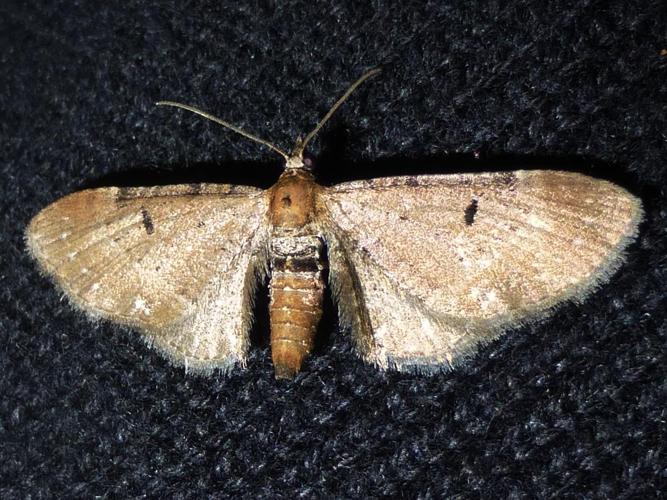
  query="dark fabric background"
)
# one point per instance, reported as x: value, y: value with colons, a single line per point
x: 571, y: 407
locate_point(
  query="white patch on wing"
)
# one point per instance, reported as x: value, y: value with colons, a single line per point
x: 535, y: 221
x: 141, y: 306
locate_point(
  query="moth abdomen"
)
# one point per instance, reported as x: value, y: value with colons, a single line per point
x: 297, y: 290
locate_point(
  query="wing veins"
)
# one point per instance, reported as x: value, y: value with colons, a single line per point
x: 165, y: 242
x: 514, y: 207
x: 127, y: 255
x: 133, y: 224
x: 417, y: 302
x: 87, y: 227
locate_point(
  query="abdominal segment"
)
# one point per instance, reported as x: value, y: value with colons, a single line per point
x: 296, y: 290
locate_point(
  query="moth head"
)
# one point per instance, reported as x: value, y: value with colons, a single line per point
x: 294, y: 160
x: 299, y: 162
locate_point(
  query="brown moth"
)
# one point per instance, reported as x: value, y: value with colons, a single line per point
x: 423, y: 269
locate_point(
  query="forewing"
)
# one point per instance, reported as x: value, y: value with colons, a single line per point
x: 179, y: 263
x: 425, y: 268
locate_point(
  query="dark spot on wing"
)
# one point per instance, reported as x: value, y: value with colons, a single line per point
x: 508, y: 179
x: 286, y: 201
x: 201, y: 223
x: 470, y: 212
x: 411, y: 181
x: 194, y: 189
x: 147, y: 221
x: 124, y: 193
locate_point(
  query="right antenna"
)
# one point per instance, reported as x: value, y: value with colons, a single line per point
x: 301, y: 145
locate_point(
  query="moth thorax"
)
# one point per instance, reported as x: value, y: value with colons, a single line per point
x: 297, y: 289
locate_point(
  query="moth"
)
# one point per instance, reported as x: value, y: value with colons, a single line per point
x: 423, y: 269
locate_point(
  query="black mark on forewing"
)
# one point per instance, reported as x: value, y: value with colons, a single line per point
x: 508, y: 179
x: 147, y: 221
x: 125, y: 194
x: 470, y: 212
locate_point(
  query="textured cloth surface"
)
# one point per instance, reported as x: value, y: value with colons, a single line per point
x: 571, y: 407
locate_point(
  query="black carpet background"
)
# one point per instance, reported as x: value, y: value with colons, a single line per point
x: 573, y: 407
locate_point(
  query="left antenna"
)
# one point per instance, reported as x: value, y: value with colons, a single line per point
x: 224, y: 124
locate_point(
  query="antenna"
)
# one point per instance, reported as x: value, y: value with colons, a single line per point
x: 224, y: 124
x: 297, y: 152
x: 301, y: 145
